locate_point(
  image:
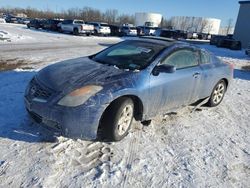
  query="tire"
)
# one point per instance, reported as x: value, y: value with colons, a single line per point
x: 60, y: 30
x: 217, y: 94
x: 76, y: 31
x: 96, y: 33
x: 235, y: 46
x: 115, y: 124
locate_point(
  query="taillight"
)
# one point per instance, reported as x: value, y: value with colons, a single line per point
x: 231, y: 67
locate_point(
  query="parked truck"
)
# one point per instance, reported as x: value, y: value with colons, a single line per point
x: 76, y: 27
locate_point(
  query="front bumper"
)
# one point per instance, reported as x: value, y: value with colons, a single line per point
x: 78, y: 122
x: 105, y: 32
x: 86, y: 32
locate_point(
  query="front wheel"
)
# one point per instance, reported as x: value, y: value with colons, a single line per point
x: 217, y: 94
x: 76, y: 31
x: 117, y: 119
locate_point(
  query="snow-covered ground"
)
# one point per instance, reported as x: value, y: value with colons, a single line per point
x: 207, y: 148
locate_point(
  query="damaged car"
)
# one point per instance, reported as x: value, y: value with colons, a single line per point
x: 97, y: 97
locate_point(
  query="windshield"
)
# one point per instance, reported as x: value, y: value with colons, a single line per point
x: 129, y: 54
x: 104, y: 25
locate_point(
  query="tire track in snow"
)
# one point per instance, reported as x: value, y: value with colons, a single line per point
x: 3, y: 167
x: 91, y: 160
x: 132, y: 151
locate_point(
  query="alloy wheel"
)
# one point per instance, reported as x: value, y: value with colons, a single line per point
x: 125, y: 119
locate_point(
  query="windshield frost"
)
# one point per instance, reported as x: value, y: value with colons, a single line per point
x: 129, y: 54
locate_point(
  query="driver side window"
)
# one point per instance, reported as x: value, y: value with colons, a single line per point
x: 182, y: 59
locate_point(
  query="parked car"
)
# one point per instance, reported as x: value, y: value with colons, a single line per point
x: 23, y: 20
x: 115, y: 30
x: 146, y: 31
x: 128, y: 31
x: 216, y: 38
x: 52, y: 24
x: 100, y: 28
x: 204, y: 36
x: 248, y: 50
x: 35, y: 23
x: 11, y: 19
x: 2, y: 20
x: 98, y: 96
x: 229, y: 43
x: 76, y: 27
x: 170, y: 33
x: 167, y: 33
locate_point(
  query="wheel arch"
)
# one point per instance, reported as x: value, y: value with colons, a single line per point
x: 226, y: 81
x: 138, y: 105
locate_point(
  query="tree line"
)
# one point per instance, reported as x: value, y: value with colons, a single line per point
x: 110, y: 16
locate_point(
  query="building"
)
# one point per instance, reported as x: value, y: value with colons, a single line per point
x: 242, y: 27
x: 22, y: 15
x: 151, y: 19
x: 196, y: 24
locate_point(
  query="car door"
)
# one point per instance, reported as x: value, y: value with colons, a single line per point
x: 208, y: 73
x: 67, y: 25
x: 173, y: 90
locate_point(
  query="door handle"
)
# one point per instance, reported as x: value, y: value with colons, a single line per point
x: 196, y: 74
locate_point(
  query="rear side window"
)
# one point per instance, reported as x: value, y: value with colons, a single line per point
x: 78, y: 22
x: 67, y: 22
x: 182, y: 59
x: 205, y: 57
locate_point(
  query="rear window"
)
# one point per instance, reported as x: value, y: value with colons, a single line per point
x: 78, y: 22
x: 105, y: 25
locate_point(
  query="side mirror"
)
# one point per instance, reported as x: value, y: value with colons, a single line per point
x: 165, y: 68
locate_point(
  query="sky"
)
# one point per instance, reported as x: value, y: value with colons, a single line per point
x: 221, y: 9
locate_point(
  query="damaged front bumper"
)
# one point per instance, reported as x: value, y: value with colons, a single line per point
x: 78, y: 122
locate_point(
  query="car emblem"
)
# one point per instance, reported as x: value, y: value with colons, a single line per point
x: 32, y: 90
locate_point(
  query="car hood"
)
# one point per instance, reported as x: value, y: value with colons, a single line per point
x: 75, y: 73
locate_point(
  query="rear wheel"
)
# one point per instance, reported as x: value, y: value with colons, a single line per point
x: 217, y: 94
x: 117, y: 119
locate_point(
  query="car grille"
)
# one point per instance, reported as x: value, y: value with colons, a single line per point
x: 36, y: 90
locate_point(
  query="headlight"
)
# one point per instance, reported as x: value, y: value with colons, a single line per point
x: 79, y: 96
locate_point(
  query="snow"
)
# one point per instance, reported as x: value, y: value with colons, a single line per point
x: 207, y: 148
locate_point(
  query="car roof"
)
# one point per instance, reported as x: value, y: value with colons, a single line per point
x: 159, y: 40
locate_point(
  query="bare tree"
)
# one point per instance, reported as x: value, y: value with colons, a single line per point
x: 111, y: 16
x: 229, y: 26
x: 166, y: 23
x: 123, y: 19
x: 86, y: 13
x: 203, y: 25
